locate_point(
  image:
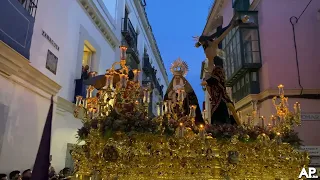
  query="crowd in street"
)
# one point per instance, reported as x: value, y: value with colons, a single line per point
x: 64, y: 174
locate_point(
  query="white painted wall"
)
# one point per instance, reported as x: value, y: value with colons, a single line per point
x: 67, y: 23
x: 62, y: 20
x: 64, y: 131
x: 23, y: 119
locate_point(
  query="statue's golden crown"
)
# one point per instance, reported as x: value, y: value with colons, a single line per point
x: 179, y: 68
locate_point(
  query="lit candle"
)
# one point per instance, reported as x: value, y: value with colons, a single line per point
x: 278, y: 138
x: 136, y: 73
x: 201, y: 131
x: 145, y: 95
x: 204, y: 114
x: 281, y: 91
x: 158, y: 110
x: 78, y: 100
x: 296, y: 108
x: 123, y: 81
x: 166, y: 107
x: 123, y: 52
x: 181, y: 130
x: 193, y: 111
x: 84, y: 102
x: 262, y: 122
x: 273, y: 120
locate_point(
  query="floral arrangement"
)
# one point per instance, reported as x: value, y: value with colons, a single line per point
x: 138, y: 123
x: 250, y: 134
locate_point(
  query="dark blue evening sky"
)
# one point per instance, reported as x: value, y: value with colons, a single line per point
x: 174, y: 22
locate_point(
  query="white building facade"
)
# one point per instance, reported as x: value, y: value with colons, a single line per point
x: 61, y: 38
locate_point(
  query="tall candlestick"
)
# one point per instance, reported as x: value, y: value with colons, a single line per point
x: 204, y: 114
x: 78, y: 100
x: 281, y: 91
x: 166, y: 107
x: 136, y: 73
x: 201, y: 131
x: 262, y: 122
x: 193, y: 111
x: 123, y: 52
x: 181, y: 130
x: 158, y: 110
x: 273, y: 120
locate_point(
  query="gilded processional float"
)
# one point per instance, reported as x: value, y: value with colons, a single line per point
x: 122, y: 142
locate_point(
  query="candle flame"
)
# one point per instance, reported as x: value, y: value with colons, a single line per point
x: 181, y: 124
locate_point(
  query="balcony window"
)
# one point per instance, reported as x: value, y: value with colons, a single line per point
x: 30, y: 6
x: 129, y: 33
x: 242, y: 48
x: 241, y: 5
x: 247, y: 84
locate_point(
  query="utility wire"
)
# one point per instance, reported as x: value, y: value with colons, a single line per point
x: 294, y: 20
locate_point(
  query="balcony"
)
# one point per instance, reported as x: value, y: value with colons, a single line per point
x: 247, y: 84
x: 132, y: 58
x: 147, y: 68
x: 158, y: 87
x: 129, y: 34
x: 241, y: 5
x: 16, y: 24
x: 242, y: 47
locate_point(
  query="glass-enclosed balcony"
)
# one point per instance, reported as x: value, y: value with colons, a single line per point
x: 16, y: 24
x: 242, y: 48
x: 245, y: 85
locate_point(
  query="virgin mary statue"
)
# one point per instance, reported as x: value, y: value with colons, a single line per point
x: 180, y: 90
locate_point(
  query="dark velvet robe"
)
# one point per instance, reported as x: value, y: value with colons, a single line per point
x: 218, y: 95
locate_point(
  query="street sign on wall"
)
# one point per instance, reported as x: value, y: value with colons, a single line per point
x: 312, y: 150
x: 310, y: 116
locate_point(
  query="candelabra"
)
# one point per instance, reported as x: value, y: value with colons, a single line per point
x: 120, y: 93
x: 284, y: 118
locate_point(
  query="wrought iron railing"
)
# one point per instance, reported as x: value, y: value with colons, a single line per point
x: 30, y: 5
x: 129, y: 33
x: 147, y: 68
